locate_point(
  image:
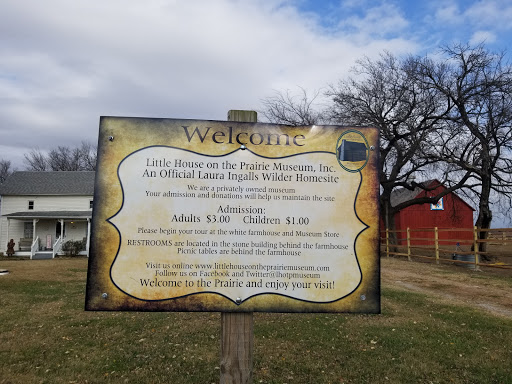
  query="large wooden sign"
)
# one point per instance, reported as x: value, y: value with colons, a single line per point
x: 224, y: 216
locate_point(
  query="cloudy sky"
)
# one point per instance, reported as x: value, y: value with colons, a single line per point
x: 63, y: 64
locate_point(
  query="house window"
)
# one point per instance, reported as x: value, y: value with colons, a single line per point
x: 90, y: 204
x: 31, y: 204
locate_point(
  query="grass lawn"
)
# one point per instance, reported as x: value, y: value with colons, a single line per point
x: 47, y: 337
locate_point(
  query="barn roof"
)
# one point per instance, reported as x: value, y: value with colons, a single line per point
x: 78, y: 183
x: 401, y: 195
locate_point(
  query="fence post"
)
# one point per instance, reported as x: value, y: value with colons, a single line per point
x: 475, y: 246
x: 387, y: 242
x: 408, y: 243
x: 436, y: 237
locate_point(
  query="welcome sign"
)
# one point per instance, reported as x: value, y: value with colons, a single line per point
x: 193, y: 215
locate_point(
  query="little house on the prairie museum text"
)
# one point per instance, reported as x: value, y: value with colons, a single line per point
x: 41, y: 211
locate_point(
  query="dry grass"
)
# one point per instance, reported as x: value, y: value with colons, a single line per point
x: 23, y: 269
x: 47, y: 337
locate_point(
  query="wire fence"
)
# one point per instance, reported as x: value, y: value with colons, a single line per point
x: 452, y: 245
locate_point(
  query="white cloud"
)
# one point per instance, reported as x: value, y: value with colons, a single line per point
x: 64, y: 63
x: 482, y: 37
x: 377, y: 22
x: 490, y: 13
x: 448, y: 13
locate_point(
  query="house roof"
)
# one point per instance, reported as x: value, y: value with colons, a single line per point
x: 78, y: 183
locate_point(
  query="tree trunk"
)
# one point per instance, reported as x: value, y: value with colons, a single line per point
x: 388, y: 214
x: 484, y: 219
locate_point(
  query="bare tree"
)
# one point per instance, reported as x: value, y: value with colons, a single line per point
x: 450, y: 119
x: 62, y: 158
x: 5, y: 170
x: 386, y: 93
x: 89, y: 155
x: 477, y: 86
x: 296, y: 110
x: 35, y: 160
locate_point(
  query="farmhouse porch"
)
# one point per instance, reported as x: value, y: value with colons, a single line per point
x: 45, y: 232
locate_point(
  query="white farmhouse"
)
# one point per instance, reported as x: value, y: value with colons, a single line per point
x: 40, y: 211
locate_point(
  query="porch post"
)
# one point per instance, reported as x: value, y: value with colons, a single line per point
x: 34, y: 236
x: 61, y: 229
x: 7, y: 240
x: 34, y: 222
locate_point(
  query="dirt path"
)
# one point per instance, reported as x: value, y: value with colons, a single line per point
x: 451, y: 284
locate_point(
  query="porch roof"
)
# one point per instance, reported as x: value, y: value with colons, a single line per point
x: 50, y: 215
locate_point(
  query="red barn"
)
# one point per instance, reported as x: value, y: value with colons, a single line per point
x: 450, y: 212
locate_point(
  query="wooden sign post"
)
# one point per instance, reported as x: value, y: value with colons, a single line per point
x: 237, y: 329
